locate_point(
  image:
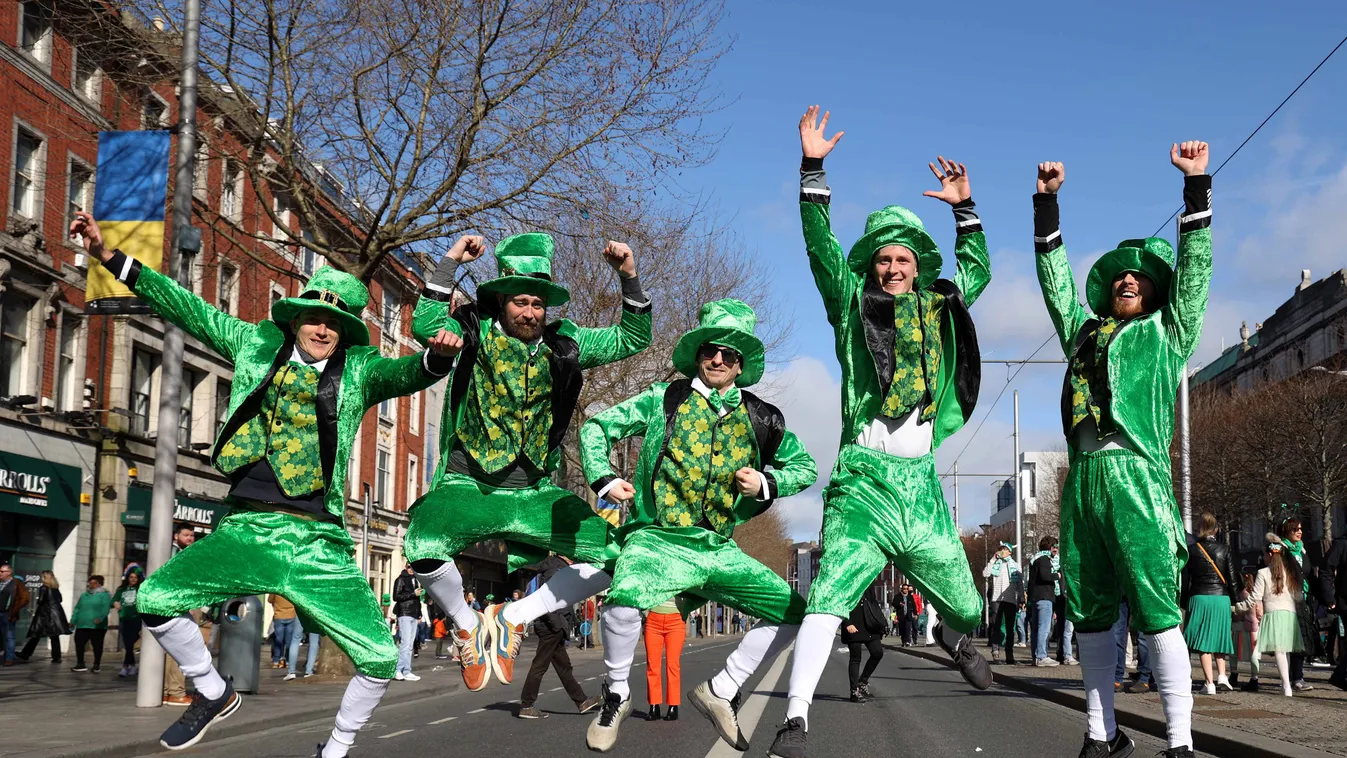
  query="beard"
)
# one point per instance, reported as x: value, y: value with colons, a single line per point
x: 1125, y: 308
x: 521, y: 330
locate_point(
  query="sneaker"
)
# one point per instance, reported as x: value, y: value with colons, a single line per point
x: 96, y: 670
x: 1069, y: 661
x: 790, y: 740
x: 308, y: 674
x: 1208, y: 689
x: 602, y: 733
x: 975, y: 669
x: 1252, y: 685
x: 122, y: 671
x: 472, y: 647
x: 1300, y: 685
x: 398, y: 676
x: 410, y: 678
x: 857, y: 696
x: 529, y: 712
x: 505, y: 642
x: 1133, y: 687
x: 1177, y: 752
x: 1120, y: 746
x: 199, y: 716
x: 864, y: 687
x: 1223, y: 685
x: 1319, y: 664
x: 177, y: 701
x: 589, y: 704
x: 290, y: 677
x: 1045, y: 662
x: 724, y: 714
x: 79, y: 668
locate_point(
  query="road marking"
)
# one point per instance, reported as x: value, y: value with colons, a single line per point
x: 479, y: 710
x: 395, y: 734
x: 443, y: 720
x: 514, y: 701
x: 752, y: 710
x: 592, y: 678
x: 555, y: 689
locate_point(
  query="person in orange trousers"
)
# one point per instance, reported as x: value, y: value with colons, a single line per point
x: 665, y: 632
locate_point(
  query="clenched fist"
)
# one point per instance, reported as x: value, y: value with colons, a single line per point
x: 620, y: 257
x: 747, y: 482
x: 1050, y: 177
x: 446, y: 343
x: 1190, y: 157
x: 621, y: 491
x: 467, y: 248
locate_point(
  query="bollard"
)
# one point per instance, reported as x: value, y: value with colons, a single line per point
x: 241, y: 643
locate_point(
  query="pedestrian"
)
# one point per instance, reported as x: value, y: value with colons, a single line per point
x: 284, y: 622
x: 860, y: 633
x: 932, y: 621
x: 1245, y: 629
x: 1333, y: 594
x: 1021, y: 625
x: 1290, y: 533
x: 1210, y: 583
x: 551, y: 630
x: 1063, y: 628
x: 439, y: 627
x: 292, y: 655
x: 908, y: 612
x: 407, y: 610
x: 13, y: 599
x: 175, y: 684
x: 1044, y: 587
x: 90, y: 620
x: 665, y: 632
x: 1141, y: 681
x: 470, y: 600
x: 1004, y: 583
x: 49, y: 619
x: 1278, y: 587
x: 128, y: 619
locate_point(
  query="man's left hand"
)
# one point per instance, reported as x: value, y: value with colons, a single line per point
x: 446, y: 343
x: 747, y: 482
x: 954, y: 188
x: 620, y: 257
x: 1190, y: 157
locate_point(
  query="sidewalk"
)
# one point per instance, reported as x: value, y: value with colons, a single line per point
x: 1236, y: 724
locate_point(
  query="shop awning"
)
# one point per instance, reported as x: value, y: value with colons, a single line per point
x: 35, y: 487
x: 205, y: 513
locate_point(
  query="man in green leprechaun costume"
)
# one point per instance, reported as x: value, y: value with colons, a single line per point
x: 706, y: 448
x: 910, y: 376
x: 510, y: 401
x: 302, y: 383
x: 1122, y: 535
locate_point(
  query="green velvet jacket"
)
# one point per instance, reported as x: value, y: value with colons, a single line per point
x: 1148, y: 354
x: 859, y: 339
x: 650, y: 414
x: 357, y: 377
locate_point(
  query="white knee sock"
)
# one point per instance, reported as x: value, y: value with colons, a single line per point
x: 621, y: 632
x: 181, y: 638
x: 813, y: 645
x: 357, y: 705
x: 761, y: 643
x: 1098, y: 661
x: 1172, y: 670
x: 566, y: 588
x: 445, y: 585
x: 1284, y: 670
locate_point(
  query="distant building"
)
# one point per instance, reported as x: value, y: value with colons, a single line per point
x: 802, y: 566
x: 1041, y: 477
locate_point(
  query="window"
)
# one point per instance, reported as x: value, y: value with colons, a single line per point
x: 190, y: 379
x: 280, y: 226
x: 414, y: 414
x: 143, y: 367
x: 79, y: 190
x: 28, y: 149
x: 68, y: 390
x: 35, y: 30
x: 308, y: 260
x: 353, y: 469
x: 231, y: 193
x: 87, y: 80
x: 412, y: 480
x: 14, y: 311
x: 228, y: 281
x: 221, y: 405
x: 277, y: 295
x: 390, y: 314
x: 153, y: 110
x: 383, y: 479
x: 386, y: 409
x: 432, y: 456
x: 201, y: 171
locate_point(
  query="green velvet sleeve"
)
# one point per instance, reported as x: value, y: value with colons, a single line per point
x: 610, y: 344
x: 1059, y: 294
x: 834, y: 279
x: 973, y: 271
x: 386, y: 378
x: 793, y: 468
x: 429, y: 317
x: 1188, y: 291
x: 629, y: 418
x: 222, y: 332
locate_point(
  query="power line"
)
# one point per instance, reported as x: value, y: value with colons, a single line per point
x: 999, y: 395
x: 1260, y: 126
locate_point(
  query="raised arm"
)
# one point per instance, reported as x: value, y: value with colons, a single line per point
x: 386, y: 378
x: 634, y: 332
x: 1192, y: 272
x: 1054, y: 270
x: 835, y: 281
x: 435, y: 309
x: 629, y: 418
x: 973, y: 271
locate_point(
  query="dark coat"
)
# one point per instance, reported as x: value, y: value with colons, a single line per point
x: 1043, y: 580
x: 1201, y: 576
x: 405, y: 600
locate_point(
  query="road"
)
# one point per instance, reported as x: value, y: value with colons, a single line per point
x: 921, y: 709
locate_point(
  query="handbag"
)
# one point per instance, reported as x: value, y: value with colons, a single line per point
x: 874, y: 620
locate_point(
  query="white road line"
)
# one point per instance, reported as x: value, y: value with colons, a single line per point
x: 443, y: 720
x: 592, y: 678
x: 514, y: 701
x: 753, y: 707
x: 556, y: 689
x: 479, y: 710
x: 395, y: 734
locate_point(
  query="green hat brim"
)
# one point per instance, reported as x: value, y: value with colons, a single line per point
x: 552, y: 294
x: 1099, y: 284
x: 353, y: 329
x: 747, y: 345
x: 929, y: 260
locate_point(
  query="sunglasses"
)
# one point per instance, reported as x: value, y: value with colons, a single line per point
x: 728, y: 356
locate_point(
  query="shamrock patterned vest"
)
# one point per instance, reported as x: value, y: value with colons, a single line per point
x: 696, y: 479
x: 284, y: 431
x: 916, y: 354
x: 509, y: 405
x: 1090, y: 393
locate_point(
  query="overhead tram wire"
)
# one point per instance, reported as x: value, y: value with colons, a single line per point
x: 1161, y: 228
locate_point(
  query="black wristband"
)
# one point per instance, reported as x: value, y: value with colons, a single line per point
x: 811, y: 164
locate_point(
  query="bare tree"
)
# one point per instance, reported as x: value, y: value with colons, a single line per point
x: 1312, y: 438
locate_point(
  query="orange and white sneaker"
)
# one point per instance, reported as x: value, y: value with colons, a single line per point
x: 506, y: 640
x: 472, y: 654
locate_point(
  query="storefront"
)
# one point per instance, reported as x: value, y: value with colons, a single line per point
x: 39, y: 515
x: 201, y: 514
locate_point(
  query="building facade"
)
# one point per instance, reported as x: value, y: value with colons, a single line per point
x: 1042, y: 475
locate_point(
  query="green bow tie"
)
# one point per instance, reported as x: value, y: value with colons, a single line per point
x: 729, y: 399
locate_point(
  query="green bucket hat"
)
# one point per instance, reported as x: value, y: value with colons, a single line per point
x: 1153, y: 257
x: 524, y: 262
x: 329, y: 290
x: 896, y: 225
x: 730, y: 323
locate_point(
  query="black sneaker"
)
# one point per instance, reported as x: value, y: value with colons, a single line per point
x: 1251, y: 685
x: 188, y: 730
x: 857, y: 696
x: 602, y: 733
x: 975, y: 669
x: 95, y: 670
x: 790, y: 740
x: 1119, y: 747
x: 864, y: 687
x: 79, y: 669
x: 723, y: 714
x: 1177, y: 752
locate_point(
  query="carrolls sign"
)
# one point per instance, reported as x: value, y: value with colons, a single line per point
x: 31, y: 489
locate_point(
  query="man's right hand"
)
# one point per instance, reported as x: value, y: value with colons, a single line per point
x: 812, y: 142
x: 622, y: 491
x: 1050, y: 177
x: 467, y: 248
x: 85, y: 225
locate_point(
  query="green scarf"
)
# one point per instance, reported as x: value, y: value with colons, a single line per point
x: 1297, y: 550
x: 1089, y: 380
x: 916, y: 354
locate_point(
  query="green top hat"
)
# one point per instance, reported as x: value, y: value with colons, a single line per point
x: 896, y: 225
x: 729, y: 323
x: 524, y: 262
x: 329, y: 290
x: 1152, y: 257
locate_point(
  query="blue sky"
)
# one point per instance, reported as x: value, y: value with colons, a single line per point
x: 1104, y: 89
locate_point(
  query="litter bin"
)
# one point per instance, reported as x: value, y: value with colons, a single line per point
x: 241, y: 642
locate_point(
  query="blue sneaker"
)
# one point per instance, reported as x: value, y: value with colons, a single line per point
x: 472, y: 652
x: 505, y: 642
x: 199, y: 716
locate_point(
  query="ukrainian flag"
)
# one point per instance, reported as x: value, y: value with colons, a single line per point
x: 129, y: 203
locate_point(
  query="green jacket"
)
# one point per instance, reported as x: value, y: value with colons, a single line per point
x: 859, y: 339
x: 356, y: 378
x: 650, y: 414
x: 574, y: 348
x: 1148, y: 354
x: 92, y: 609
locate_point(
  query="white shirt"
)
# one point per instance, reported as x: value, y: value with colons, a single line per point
x: 907, y: 437
x: 304, y: 359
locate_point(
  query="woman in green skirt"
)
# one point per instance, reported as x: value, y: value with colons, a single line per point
x: 1278, y: 587
x: 1211, y: 584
